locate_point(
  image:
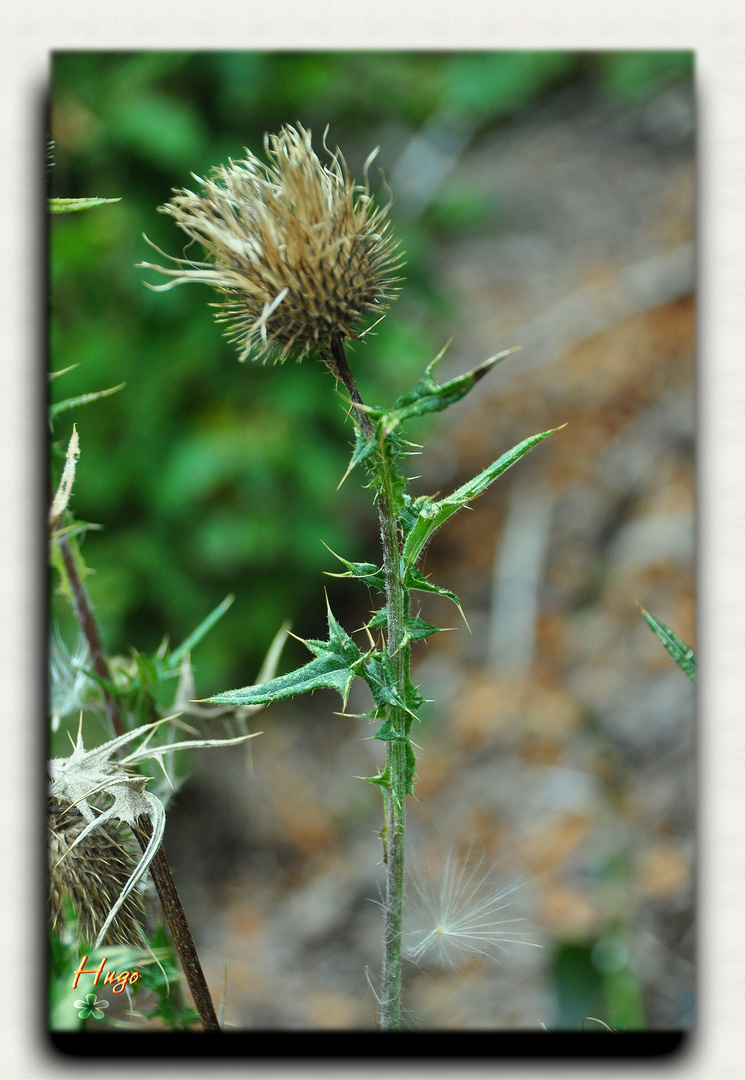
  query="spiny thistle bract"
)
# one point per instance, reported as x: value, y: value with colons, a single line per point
x: 78, y: 823
x: 300, y: 251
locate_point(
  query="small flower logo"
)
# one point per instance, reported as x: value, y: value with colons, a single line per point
x: 90, y: 1007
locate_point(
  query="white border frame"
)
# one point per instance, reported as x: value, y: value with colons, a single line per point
x: 716, y: 30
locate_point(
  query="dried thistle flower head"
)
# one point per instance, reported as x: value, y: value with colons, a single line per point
x: 88, y: 863
x: 301, y: 253
x: 92, y: 874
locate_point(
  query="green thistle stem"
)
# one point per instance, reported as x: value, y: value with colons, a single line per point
x: 395, y: 803
x: 399, y: 651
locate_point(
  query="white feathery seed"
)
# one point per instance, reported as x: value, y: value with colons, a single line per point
x: 456, y: 913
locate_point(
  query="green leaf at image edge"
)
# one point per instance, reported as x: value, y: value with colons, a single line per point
x: 70, y: 206
x: 82, y: 399
x: 682, y: 654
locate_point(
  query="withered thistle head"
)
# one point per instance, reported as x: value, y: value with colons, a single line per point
x: 300, y: 252
x: 93, y: 874
x: 89, y: 863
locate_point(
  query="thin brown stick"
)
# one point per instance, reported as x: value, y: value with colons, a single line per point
x: 159, y: 868
x: 179, y: 927
x: 87, y: 622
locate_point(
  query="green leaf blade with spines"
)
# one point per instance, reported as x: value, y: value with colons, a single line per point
x: 382, y: 779
x: 364, y: 447
x: 682, y: 654
x: 368, y: 572
x: 430, y: 396
x: 321, y: 673
x: 430, y: 513
x: 418, y: 629
x: 415, y: 579
x: 387, y: 733
x: 415, y: 628
x: 336, y: 663
x: 380, y: 677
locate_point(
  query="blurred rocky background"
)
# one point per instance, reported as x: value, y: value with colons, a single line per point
x: 544, y: 200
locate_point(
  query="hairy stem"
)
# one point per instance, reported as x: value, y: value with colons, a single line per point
x: 399, y: 652
x: 339, y: 365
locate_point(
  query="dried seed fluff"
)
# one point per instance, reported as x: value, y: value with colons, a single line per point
x: 300, y: 253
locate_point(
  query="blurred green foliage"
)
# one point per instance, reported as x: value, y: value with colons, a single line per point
x: 211, y: 477
x: 596, y: 980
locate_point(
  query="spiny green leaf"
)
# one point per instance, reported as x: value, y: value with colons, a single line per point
x: 431, y: 513
x: 368, y: 572
x: 387, y: 733
x: 382, y: 779
x: 415, y: 579
x: 417, y: 512
x: 83, y: 399
x: 323, y: 672
x: 340, y: 640
x: 380, y: 677
x: 336, y: 663
x: 69, y: 206
x: 364, y: 447
x: 414, y: 699
x: 415, y: 629
x: 430, y: 396
x: 682, y: 654
x: 409, y: 513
